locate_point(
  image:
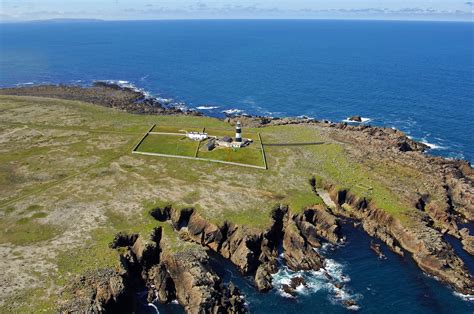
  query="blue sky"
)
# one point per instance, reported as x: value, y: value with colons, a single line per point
x: 11, y: 10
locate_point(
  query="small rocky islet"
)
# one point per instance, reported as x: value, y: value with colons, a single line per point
x: 150, y: 263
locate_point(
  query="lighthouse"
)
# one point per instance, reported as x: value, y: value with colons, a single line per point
x: 238, y: 132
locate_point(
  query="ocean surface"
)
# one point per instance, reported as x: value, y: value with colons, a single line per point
x: 414, y: 76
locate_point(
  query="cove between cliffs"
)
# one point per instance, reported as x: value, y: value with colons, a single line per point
x: 331, y: 255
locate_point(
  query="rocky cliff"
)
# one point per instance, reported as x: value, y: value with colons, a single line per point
x: 432, y: 254
x: 255, y: 252
x: 165, y: 275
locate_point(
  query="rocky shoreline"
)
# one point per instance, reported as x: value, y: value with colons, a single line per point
x: 104, y: 93
x: 148, y: 264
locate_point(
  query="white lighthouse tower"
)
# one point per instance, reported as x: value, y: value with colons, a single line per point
x: 238, y: 132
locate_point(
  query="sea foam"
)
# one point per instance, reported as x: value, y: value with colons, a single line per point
x: 330, y: 278
x: 432, y: 145
x: 364, y: 120
x: 466, y: 297
x: 232, y: 111
x: 207, y: 107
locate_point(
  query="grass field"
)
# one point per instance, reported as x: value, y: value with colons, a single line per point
x: 175, y: 145
x: 250, y: 155
x: 175, y: 129
x: 168, y: 145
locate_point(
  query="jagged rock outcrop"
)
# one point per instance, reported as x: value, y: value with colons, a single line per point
x: 101, y: 291
x: 299, y: 254
x: 161, y: 284
x: 355, y: 118
x: 318, y: 223
x: 123, y: 239
x: 429, y: 250
x: 255, y: 252
x: 198, y: 288
x: 184, y: 275
x: 104, y: 93
x: 467, y: 241
x: 271, y: 241
x: 263, y: 276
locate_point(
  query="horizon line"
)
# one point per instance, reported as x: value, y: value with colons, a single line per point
x: 72, y: 19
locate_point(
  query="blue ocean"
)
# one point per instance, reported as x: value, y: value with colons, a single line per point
x: 414, y: 76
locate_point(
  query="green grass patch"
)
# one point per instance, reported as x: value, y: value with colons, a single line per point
x: 175, y: 129
x: 256, y: 218
x: 358, y: 179
x: 298, y: 201
x: 33, y: 300
x: 26, y: 231
x: 250, y: 155
x: 94, y: 254
x: 168, y: 145
x: 33, y: 208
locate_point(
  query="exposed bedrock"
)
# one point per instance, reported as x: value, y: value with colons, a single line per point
x: 197, y: 287
x: 432, y: 254
x: 467, y: 241
x: 101, y: 291
x: 165, y: 275
x: 106, y: 94
x: 185, y: 276
x: 299, y: 254
x: 255, y: 252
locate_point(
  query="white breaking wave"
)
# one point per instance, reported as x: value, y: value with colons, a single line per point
x: 431, y: 145
x: 232, y: 111
x: 126, y: 84
x: 207, y: 107
x: 364, y: 120
x: 169, y: 102
x: 23, y: 84
x: 154, y: 307
x: 466, y: 297
x: 330, y: 278
x: 164, y: 100
x: 305, y: 117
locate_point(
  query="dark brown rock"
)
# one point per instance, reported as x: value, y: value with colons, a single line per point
x: 299, y: 255
x: 467, y: 241
x: 161, y: 284
x: 123, y: 239
x: 101, y: 291
x: 198, y: 288
x: 430, y: 251
x: 355, y: 118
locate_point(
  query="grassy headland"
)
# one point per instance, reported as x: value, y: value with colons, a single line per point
x: 68, y: 183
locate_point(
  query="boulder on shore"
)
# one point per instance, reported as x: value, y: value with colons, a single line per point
x: 355, y: 118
